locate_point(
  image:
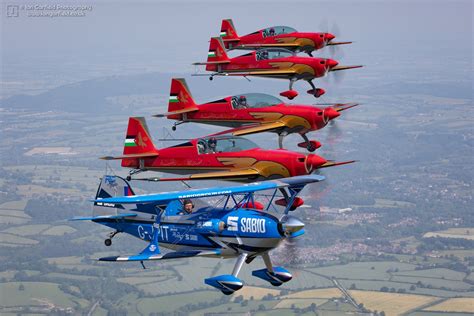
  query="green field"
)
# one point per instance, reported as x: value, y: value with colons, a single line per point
x: 33, y: 294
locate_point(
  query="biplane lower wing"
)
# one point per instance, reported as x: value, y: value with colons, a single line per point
x: 164, y: 256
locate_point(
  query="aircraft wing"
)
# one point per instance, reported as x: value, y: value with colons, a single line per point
x: 217, y: 175
x: 224, y: 190
x: 265, y: 45
x: 252, y: 129
x: 187, y: 110
x: 164, y: 256
x: 269, y: 72
x: 100, y: 217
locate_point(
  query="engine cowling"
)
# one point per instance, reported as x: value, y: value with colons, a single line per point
x: 213, y: 225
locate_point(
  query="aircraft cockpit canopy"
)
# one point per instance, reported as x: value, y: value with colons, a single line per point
x: 253, y: 100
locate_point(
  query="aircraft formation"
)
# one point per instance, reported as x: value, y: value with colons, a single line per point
x: 228, y: 221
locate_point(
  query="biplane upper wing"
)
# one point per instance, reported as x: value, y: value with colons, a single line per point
x: 225, y: 190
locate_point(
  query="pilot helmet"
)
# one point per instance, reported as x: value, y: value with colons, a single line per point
x: 212, y: 141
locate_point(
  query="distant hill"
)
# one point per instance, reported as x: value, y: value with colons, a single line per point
x: 89, y: 96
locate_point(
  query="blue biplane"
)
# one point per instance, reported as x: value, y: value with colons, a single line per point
x: 241, y: 227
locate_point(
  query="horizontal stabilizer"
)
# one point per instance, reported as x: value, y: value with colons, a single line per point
x: 212, y: 62
x: 118, y: 216
x: 131, y: 156
x: 177, y: 112
x: 164, y: 256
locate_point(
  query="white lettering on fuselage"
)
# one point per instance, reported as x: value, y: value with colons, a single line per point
x: 252, y: 225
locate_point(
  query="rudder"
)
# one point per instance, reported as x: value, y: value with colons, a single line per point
x: 180, y: 96
x: 216, y: 54
x: 228, y: 33
x: 138, y: 139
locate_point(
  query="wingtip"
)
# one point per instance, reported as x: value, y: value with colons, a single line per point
x: 113, y: 258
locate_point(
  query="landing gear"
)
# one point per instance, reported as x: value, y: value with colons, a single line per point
x: 135, y: 171
x: 229, y: 283
x: 280, y: 139
x: 317, y: 92
x: 108, y: 241
x: 290, y: 93
x: 211, y: 78
x: 275, y: 275
x: 173, y: 128
x: 310, y: 145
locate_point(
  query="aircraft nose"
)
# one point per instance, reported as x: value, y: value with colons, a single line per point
x: 332, y: 63
x: 291, y: 224
x: 329, y: 36
x: 314, y: 161
x: 330, y: 114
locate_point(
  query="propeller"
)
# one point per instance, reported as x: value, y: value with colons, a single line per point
x: 292, y: 228
x: 314, y: 161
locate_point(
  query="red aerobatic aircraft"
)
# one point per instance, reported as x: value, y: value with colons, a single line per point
x: 214, y: 157
x: 277, y: 63
x: 251, y: 113
x: 276, y: 36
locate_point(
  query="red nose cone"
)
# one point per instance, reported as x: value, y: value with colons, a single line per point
x: 314, y: 161
x: 332, y: 63
x: 331, y: 114
x: 329, y: 37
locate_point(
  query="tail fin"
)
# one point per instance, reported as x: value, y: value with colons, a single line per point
x: 138, y: 140
x: 228, y: 32
x: 112, y: 186
x: 180, y: 97
x: 217, y: 53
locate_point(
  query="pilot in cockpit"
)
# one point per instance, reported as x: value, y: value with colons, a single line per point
x: 242, y: 103
x: 188, y: 207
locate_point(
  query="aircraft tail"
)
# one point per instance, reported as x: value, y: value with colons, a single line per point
x: 180, y: 100
x: 138, y: 144
x: 228, y: 33
x: 216, y: 55
x: 138, y: 140
x: 113, y: 186
x: 109, y: 187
